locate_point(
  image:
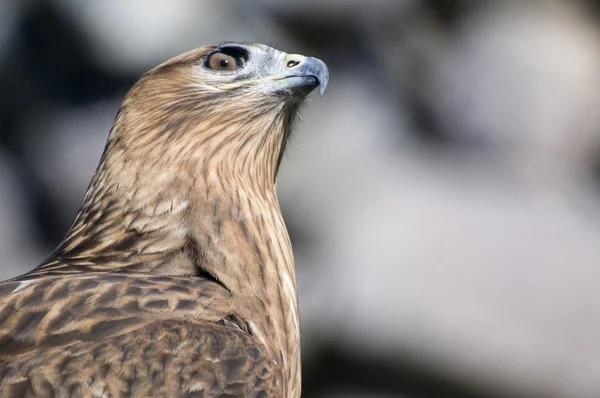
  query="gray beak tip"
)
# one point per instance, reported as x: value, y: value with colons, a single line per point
x: 322, y: 87
x: 317, y: 68
x: 306, y: 74
x: 321, y: 72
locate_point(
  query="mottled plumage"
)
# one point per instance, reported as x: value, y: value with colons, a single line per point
x: 177, y: 276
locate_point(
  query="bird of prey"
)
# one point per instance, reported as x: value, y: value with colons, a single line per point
x: 177, y: 276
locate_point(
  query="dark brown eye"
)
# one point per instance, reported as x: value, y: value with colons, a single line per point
x: 222, y: 62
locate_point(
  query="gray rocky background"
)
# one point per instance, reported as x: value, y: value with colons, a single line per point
x: 443, y: 197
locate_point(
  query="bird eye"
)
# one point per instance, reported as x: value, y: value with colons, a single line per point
x: 222, y: 62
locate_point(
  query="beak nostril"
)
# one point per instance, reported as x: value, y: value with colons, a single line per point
x: 291, y: 64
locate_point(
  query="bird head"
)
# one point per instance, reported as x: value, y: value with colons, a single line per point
x: 262, y: 71
x: 234, y: 102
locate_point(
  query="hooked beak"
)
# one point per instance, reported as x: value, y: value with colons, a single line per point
x: 304, y: 74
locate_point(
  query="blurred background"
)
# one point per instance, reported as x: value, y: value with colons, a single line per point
x: 443, y: 197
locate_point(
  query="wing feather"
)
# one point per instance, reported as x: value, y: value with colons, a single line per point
x: 111, y: 334
x: 161, y: 359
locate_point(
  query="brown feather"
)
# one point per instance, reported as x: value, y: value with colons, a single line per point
x: 177, y: 276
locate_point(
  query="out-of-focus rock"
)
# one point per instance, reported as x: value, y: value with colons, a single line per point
x: 18, y: 251
x: 522, y: 75
x: 336, y: 9
x: 481, y: 261
x: 136, y: 35
x: 355, y: 394
x: 472, y: 273
x: 9, y: 16
x: 64, y: 148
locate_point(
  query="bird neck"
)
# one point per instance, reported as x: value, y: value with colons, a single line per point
x: 236, y: 222
x: 213, y: 211
x: 247, y: 248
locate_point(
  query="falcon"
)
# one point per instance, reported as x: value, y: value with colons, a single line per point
x: 177, y: 276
